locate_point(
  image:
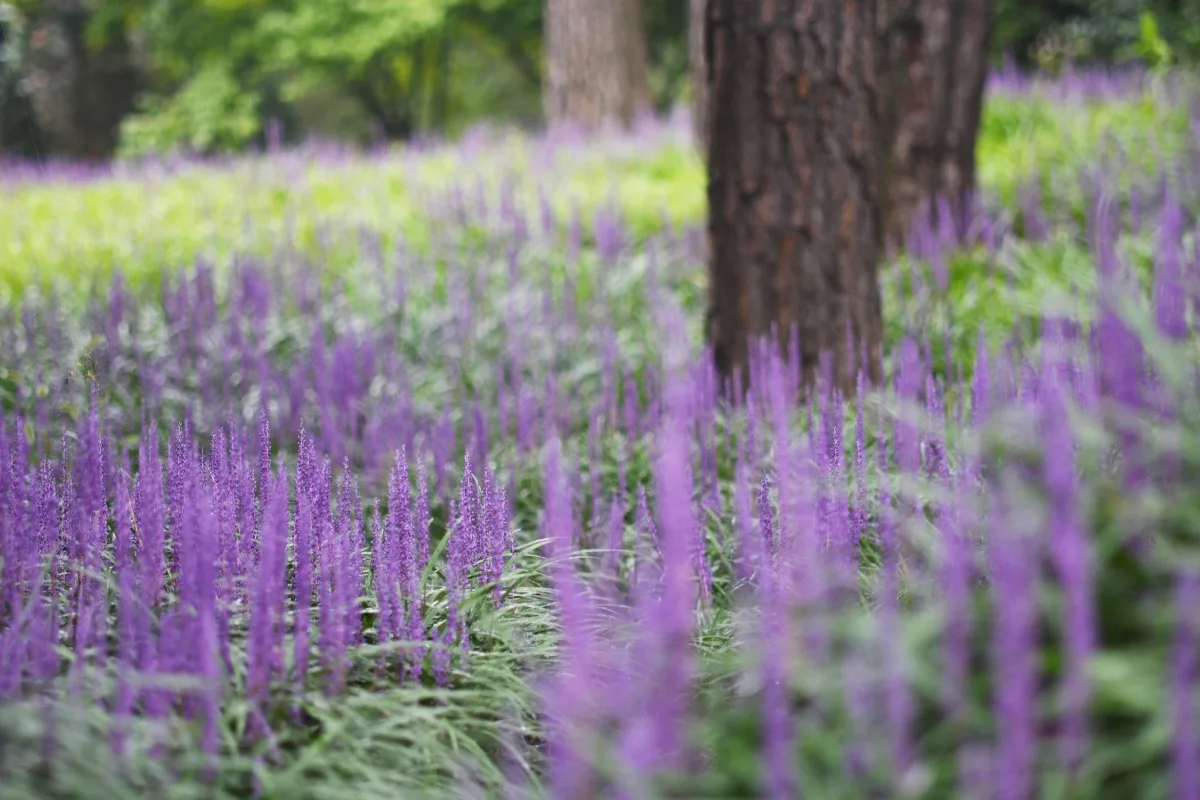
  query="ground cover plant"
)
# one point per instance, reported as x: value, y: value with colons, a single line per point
x: 400, y: 490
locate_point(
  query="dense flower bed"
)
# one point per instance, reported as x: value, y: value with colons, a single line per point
x: 483, y: 521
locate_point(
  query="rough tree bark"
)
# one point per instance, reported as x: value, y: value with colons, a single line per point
x: 596, y: 55
x: 698, y: 70
x: 79, y: 94
x: 933, y: 59
x: 793, y: 192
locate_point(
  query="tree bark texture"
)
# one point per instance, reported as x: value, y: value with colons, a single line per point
x: 793, y: 192
x: 79, y: 95
x: 596, y: 61
x: 698, y: 70
x: 933, y: 69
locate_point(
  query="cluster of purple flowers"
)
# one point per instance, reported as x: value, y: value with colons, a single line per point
x: 220, y: 566
x: 827, y: 543
x: 947, y: 517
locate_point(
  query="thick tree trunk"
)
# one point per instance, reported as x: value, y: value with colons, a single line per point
x: 933, y: 67
x: 698, y: 70
x: 596, y: 56
x: 793, y: 192
x: 79, y: 95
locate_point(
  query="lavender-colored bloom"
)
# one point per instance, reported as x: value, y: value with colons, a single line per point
x: 339, y: 609
x: 574, y: 691
x: 267, y: 603
x: 1070, y: 552
x: 1169, y: 296
x: 383, y: 581
x: 264, y: 455
x: 496, y: 529
x: 303, y: 553
x: 1015, y: 646
x: 898, y: 697
x: 149, y: 510
x: 766, y: 529
x: 354, y: 578
x: 465, y: 546
x: 656, y: 741
x: 956, y: 574
x: 616, y: 538
x: 90, y: 467
x: 205, y: 645
x: 421, y: 518
x: 127, y: 617
x: 777, y: 723
x: 401, y: 553
x: 981, y: 385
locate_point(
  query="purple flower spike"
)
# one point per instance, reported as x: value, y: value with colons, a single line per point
x: 573, y: 692
x: 127, y: 609
x: 1169, y: 296
x: 267, y: 609
x: 1015, y: 652
x: 1070, y: 554
x: 672, y: 622
x: 306, y: 477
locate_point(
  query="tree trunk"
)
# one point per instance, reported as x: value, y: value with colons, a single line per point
x: 636, y: 48
x: 793, y: 192
x: 698, y: 70
x: 5, y: 80
x: 934, y: 57
x: 79, y: 95
x: 596, y: 56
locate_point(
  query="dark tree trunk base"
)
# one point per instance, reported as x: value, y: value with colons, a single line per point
x: 934, y: 57
x: 794, y: 193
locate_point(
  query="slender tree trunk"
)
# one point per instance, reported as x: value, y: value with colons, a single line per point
x: 933, y: 67
x: 596, y: 56
x: 698, y: 70
x: 793, y: 192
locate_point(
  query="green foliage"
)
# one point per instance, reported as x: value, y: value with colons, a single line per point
x: 394, y: 61
x: 1050, y: 33
x: 211, y: 111
x: 1151, y: 47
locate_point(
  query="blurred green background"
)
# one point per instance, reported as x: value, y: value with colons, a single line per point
x: 96, y: 78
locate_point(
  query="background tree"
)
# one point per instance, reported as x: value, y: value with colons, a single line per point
x: 698, y: 69
x: 793, y: 192
x: 933, y: 69
x: 210, y: 74
x: 81, y: 75
x: 595, y: 61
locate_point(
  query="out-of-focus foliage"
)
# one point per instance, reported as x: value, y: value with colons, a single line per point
x: 358, y: 70
x: 210, y: 112
x: 1050, y: 33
